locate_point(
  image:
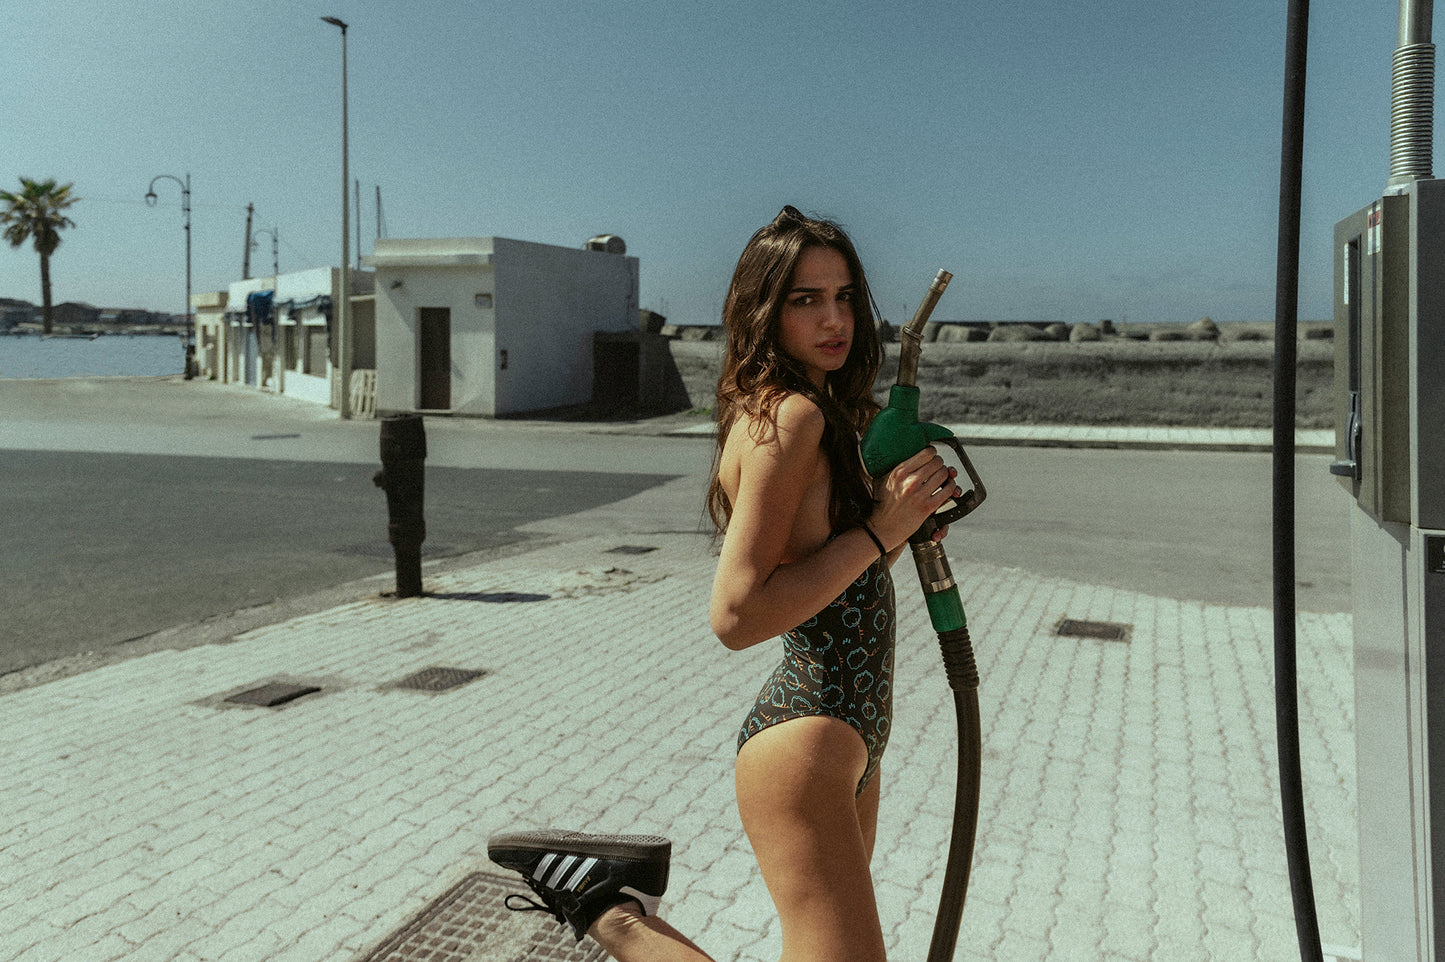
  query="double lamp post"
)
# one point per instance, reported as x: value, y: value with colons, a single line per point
x: 151, y: 199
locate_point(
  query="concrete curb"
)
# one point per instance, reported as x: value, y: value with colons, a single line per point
x: 1307, y: 441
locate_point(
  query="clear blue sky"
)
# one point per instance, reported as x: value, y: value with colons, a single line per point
x: 1066, y: 161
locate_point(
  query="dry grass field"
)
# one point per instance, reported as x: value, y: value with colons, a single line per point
x: 1224, y: 382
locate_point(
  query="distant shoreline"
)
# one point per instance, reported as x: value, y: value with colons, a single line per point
x: 98, y: 330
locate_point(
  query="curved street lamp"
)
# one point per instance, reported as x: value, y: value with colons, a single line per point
x: 343, y: 310
x: 151, y: 199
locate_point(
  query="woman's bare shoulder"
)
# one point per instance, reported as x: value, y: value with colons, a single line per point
x: 799, y: 423
x: 800, y: 414
x: 793, y: 420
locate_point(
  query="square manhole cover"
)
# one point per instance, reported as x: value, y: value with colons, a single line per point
x: 438, y: 679
x: 1101, y: 630
x: 469, y: 923
x: 273, y: 695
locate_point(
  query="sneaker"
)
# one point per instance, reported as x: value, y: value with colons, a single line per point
x: 578, y: 877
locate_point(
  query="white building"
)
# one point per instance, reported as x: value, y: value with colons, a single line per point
x: 278, y: 334
x: 489, y: 326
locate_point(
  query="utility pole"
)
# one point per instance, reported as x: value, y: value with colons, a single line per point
x: 246, y: 259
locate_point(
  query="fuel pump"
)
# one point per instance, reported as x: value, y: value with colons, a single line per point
x: 1390, y: 458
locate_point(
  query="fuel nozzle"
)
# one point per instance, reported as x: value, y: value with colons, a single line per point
x: 911, y: 335
x: 896, y: 433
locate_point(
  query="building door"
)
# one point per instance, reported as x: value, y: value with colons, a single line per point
x: 436, y: 358
x: 616, y: 371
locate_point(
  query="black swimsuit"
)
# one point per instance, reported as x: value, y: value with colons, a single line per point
x: 839, y: 663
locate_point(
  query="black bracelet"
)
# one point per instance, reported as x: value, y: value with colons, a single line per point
x: 882, y: 551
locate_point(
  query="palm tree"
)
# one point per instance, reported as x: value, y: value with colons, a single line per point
x: 35, y: 212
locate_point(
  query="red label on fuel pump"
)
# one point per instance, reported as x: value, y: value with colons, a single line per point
x: 1373, y: 221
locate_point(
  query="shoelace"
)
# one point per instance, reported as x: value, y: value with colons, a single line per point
x: 528, y: 905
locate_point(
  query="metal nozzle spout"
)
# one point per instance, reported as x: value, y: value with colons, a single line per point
x: 911, y: 334
x: 935, y: 291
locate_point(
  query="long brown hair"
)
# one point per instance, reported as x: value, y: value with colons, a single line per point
x: 757, y: 373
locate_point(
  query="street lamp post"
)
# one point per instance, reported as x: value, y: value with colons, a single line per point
x: 343, y: 310
x: 151, y: 199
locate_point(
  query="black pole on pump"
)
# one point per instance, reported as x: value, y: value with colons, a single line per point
x: 1296, y: 841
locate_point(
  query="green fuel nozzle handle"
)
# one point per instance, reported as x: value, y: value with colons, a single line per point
x: 896, y: 435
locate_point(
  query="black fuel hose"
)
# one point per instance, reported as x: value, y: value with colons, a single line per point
x: 962, y: 672
x: 1286, y: 685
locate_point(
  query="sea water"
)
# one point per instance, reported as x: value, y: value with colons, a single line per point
x: 109, y: 355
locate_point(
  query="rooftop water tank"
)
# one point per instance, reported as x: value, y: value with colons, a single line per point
x: 610, y: 243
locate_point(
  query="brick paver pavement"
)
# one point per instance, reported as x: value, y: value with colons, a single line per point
x: 1129, y: 809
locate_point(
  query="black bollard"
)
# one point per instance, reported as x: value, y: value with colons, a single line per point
x: 403, y: 478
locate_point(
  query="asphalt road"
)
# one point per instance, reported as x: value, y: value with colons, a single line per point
x: 130, y: 506
x: 97, y: 549
x: 1176, y: 524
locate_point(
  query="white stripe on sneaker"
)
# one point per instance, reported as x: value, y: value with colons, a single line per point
x: 578, y: 875
x: 542, y: 866
x: 562, y: 870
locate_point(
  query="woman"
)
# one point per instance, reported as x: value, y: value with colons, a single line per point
x: 808, y: 540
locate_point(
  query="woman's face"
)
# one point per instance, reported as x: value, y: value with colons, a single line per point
x: 816, y: 323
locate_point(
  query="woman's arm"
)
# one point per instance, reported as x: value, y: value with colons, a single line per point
x: 756, y: 593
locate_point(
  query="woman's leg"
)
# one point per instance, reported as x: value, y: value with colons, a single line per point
x: 630, y: 936
x: 813, y: 836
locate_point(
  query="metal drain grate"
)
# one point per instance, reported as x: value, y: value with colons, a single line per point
x: 469, y: 923
x: 630, y: 549
x: 1101, y: 630
x: 273, y: 695
x: 438, y: 679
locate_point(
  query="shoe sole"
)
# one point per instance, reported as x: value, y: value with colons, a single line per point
x: 632, y: 848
